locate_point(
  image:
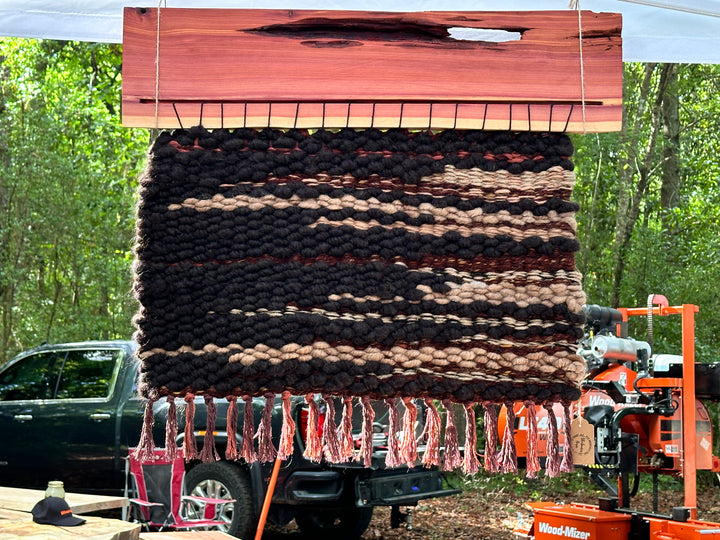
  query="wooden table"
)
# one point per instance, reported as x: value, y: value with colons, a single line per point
x: 24, y: 499
x: 187, y: 535
x: 16, y: 521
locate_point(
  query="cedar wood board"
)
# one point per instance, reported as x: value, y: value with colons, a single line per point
x: 311, y: 69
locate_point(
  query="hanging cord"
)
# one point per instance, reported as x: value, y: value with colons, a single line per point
x: 161, y: 3
x: 575, y: 4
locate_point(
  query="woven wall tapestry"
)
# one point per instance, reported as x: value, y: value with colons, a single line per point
x: 362, y: 264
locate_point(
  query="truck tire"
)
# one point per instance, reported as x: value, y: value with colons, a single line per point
x: 334, y: 523
x: 223, y: 480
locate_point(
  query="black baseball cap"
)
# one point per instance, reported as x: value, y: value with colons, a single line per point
x: 55, y: 511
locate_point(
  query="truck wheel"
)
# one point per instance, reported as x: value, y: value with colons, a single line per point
x: 334, y: 523
x: 222, y: 480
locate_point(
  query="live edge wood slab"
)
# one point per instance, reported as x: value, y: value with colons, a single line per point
x: 310, y: 69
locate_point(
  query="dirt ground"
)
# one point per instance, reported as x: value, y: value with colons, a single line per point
x: 488, y: 510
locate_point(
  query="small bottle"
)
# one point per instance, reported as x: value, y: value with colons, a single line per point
x: 55, y: 489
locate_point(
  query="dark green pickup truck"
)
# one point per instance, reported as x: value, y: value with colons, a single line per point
x: 69, y: 412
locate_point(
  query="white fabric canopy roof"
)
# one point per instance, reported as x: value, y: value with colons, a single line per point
x: 653, y: 30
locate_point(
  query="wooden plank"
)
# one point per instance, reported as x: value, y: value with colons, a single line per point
x: 255, y: 68
x: 24, y: 500
x: 95, y: 528
x: 188, y: 535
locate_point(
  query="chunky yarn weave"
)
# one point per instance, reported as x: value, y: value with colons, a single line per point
x: 367, y: 263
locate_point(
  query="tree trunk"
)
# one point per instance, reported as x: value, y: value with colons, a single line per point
x: 670, y: 191
x: 639, y: 163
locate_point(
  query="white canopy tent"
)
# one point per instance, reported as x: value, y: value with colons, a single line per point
x: 653, y: 30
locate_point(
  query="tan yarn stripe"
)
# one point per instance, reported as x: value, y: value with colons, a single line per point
x: 437, y: 319
x: 516, y: 227
x: 442, y: 361
x: 438, y: 230
x: 465, y: 183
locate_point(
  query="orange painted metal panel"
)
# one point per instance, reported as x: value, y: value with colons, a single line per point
x: 288, y: 68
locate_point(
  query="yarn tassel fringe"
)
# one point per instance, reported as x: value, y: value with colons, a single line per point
x: 366, y: 437
x: 408, y: 445
x: 451, y: 456
x: 248, y: 446
x: 392, y: 458
x: 231, y: 452
x: 333, y: 440
x: 171, y: 428
x: 287, y: 433
x: 330, y: 439
x: 567, y: 464
x: 471, y: 464
x: 431, y: 456
x: 189, y: 444
x: 209, y: 453
x: 146, y: 445
x: 266, y: 450
x: 347, y: 445
x: 492, y: 462
x: 552, y: 464
x: 532, y: 461
x: 313, y: 444
x: 508, y: 451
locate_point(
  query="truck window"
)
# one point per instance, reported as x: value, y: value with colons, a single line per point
x: 87, y: 374
x: 33, y: 377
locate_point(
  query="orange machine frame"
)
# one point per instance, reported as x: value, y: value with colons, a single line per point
x: 687, y: 384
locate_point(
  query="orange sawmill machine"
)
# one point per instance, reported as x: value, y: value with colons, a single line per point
x: 640, y: 413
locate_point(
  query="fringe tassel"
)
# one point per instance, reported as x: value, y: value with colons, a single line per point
x: 408, y: 445
x: 471, y: 464
x: 231, y: 452
x: 189, y: 444
x: 451, y: 456
x: 313, y: 444
x: 552, y: 463
x: 532, y: 461
x: 431, y: 457
x: 209, y: 453
x: 508, y: 451
x: 266, y: 450
x: 287, y: 433
x: 567, y: 464
x: 392, y: 459
x: 146, y: 445
x: 330, y: 440
x: 171, y: 427
x: 366, y: 438
x: 347, y: 445
x: 492, y: 463
x: 248, y: 448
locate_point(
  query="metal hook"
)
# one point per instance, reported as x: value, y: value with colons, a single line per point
x: 297, y: 113
x: 323, y: 117
x: 529, y: 123
x: 484, y: 117
x: 177, y: 116
x: 347, y: 118
x: 430, y: 118
x: 402, y: 106
x: 510, y: 119
x: 567, y: 122
x: 202, y: 105
x: 269, y: 114
x: 456, y: 113
x: 372, y: 118
x: 222, y: 116
x: 245, y: 116
x: 552, y: 106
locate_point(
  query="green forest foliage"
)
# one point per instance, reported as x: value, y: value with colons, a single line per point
x: 68, y: 178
